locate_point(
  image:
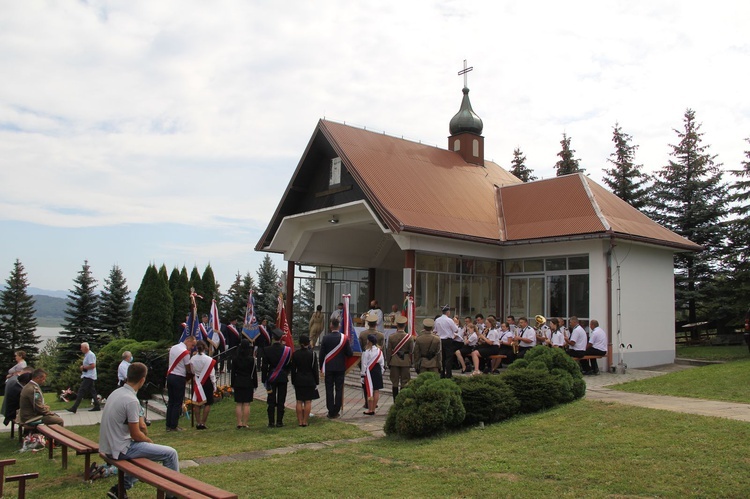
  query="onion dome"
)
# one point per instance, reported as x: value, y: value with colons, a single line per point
x: 466, y: 120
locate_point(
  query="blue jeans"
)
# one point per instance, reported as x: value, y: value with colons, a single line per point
x: 155, y: 452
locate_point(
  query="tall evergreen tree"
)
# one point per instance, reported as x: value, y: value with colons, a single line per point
x: 196, y: 283
x: 567, y: 163
x: 210, y: 287
x: 625, y: 179
x: 174, y: 277
x: 518, y: 167
x: 234, y: 302
x: 265, y: 303
x: 81, y: 318
x: 114, y: 308
x: 17, y: 321
x: 163, y: 274
x: 738, y: 261
x: 304, y: 305
x: 152, y: 309
x: 689, y: 199
x: 180, y: 302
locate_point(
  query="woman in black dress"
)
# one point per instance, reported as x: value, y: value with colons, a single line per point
x: 305, y: 378
x: 244, y: 381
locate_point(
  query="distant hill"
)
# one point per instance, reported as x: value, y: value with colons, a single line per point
x: 49, y: 307
x: 47, y: 292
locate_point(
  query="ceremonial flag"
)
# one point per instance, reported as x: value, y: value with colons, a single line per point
x: 411, y: 316
x: 250, y: 327
x: 350, y: 334
x: 214, y: 326
x: 283, y: 324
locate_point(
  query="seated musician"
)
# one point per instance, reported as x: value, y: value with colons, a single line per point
x: 468, y: 345
x: 557, y: 339
x: 487, y: 344
x: 506, y: 346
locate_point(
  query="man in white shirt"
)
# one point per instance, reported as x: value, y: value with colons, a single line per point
x: 446, y: 329
x: 597, y: 345
x: 375, y: 309
x: 177, y: 373
x: 526, y: 337
x: 122, y: 369
x: 121, y: 436
x: 577, y: 341
x: 479, y: 321
x: 88, y: 379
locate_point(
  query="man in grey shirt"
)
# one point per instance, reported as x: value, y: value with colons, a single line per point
x: 88, y: 379
x: 121, y: 436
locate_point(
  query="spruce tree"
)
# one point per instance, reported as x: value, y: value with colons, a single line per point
x: 689, y: 199
x: 518, y: 167
x: 567, y: 163
x: 234, y: 302
x: 174, y: 277
x: 164, y: 275
x: 180, y: 302
x: 114, y: 308
x: 152, y: 309
x: 304, y: 305
x: 625, y: 179
x: 738, y: 261
x: 81, y: 318
x: 17, y: 321
x: 266, y: 302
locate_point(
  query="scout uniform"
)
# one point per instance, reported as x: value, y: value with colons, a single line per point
x: 398, y: 356
x: 427, y: 350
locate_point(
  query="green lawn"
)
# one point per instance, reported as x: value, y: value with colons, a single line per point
x: 584, y: 449
x: 733, y: 352
x: 729, y: 382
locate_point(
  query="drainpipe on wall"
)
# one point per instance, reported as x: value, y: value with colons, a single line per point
x: 609, y: 302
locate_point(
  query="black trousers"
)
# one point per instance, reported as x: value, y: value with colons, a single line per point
x: 334, y: 391
x: 176, y: 394
x: 448, y: 355
x: 592, y: 365
x: 87, y: 386
x: 276, y: 399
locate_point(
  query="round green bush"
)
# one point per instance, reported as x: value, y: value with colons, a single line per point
x: 486, y: 399
x: 427, y: 406
x: 534, y: 389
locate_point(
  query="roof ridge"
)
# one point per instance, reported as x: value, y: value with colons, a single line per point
x: 594, y: 203
x: 502, y: 230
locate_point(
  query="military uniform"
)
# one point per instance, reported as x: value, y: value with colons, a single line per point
x: 363, y: 338
x: 272, y: 357
x: 400, y: 363
x: 427, y: 351
x: 32, y: 408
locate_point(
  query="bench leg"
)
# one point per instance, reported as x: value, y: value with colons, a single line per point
x: 120, y: 483
x: 87, y: 469
x: 65, y: 457
x: 160, y: 494
x: 50, y: 446
x: 12, y: 433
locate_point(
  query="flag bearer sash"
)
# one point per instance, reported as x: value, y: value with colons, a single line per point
x: 368, y: 373
x: 401, y: 343
x: 285, y: 355
x: 333, y: 353
x: 177, y: 361
x: 199, y: 395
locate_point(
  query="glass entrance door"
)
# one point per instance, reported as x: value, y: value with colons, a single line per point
x: 525, y: 296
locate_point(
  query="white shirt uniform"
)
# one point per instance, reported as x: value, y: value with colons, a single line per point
x: 175, y: 352
x: 529, y: 333
x: 200, y: 363
x: 445, y: 328
x: 558, y: 340
x: 493, y: 337
x: 598, y: 339
x: 579, y: 336
x: 506, y: 336
x: 473, y: 338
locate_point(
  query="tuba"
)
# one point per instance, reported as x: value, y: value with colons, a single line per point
x: 540, y: 321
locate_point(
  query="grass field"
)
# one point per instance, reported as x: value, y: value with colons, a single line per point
x: 584, y: 449
x: 733, y: 352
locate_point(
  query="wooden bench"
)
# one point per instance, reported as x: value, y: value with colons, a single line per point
x: 164, y: 479
x: 588, y: 357
x: 61, y: 436
x: 21, y: 479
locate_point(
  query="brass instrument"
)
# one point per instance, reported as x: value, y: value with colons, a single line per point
x: 514, y: 343
x: 541, y: 321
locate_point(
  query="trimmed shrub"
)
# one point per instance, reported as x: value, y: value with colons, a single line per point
x: 486, y: 399
x: 534, y: 389
x: 427, y: 406
x: 568, y: 375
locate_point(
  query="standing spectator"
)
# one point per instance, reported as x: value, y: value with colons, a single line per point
x: 372, y: 373
x: 244, y: 381
x: 20, y: 365
x: 316, y: 325
x: 32, y: 408
x: 204, y: 384
x: 427, y: 350
x: 276, y: 360
x: 333, y: 353
x: 338, y: 314
x: 88, y: 380
x: 305, y: 379
x: 121, y: 434
x: 177, y: 373
x: 122, y: 369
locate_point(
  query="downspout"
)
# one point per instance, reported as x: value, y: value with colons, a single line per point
x: 609, y: 301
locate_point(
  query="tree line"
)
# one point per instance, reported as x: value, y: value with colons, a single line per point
x: 690, y: 196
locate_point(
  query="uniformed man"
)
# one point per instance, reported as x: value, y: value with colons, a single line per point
x: 427, y: 350
x: 526, y: 337
x: 398, y: 355
x: 372, y: 322
x: 447, y: 330
x: 276, y: 360
x: 32, y: 408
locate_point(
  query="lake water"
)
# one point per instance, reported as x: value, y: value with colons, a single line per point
x: 46, y: 333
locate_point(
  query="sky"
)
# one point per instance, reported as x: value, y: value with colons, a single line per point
x: 165, y: 132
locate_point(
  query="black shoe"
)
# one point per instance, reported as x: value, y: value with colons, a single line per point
x: 279, y: 424
x: 271, y: 425
x: 72, y: 410
x: 95, y: 408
